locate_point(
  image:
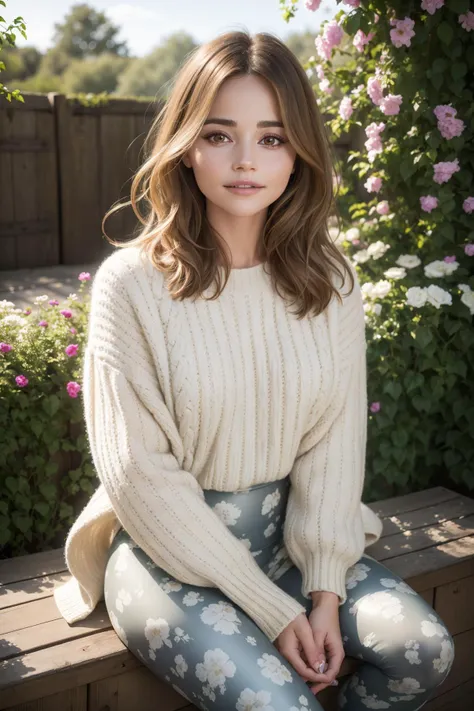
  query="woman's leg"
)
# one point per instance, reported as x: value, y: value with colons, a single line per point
x: 195, y: 639
x: 406, y: 649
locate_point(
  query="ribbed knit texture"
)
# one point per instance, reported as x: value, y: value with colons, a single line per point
x: 224, y: 394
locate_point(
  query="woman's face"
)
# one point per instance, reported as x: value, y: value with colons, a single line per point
x: 223, y: 153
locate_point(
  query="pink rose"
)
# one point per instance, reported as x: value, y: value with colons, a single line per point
x: 5, y: 347
x: 390, y: 105
x: 375, y: 407
x: 73, y: 388
x: 345, y: 108
x: 428, y: 203
x: 431, y: 5
x: 84, y: 276
x: 66, y: 313
x: 468, y: 205
x: 469, y: 250
x: 312, y: 5
x: 382, y: 208
x: 467, y: 21
x: 43, y: 323
x: 71, y: 350
x: 374, y: 90
x: 443, y: 171
x: 21, y: 381
x: 403, y: 32
x: 53, y: 302
x: 373, y: 184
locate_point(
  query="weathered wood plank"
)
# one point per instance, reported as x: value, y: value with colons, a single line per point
x: 28, y: 615
x: 462, y: 670
x: 458, y: 699
x: 421, y: 538
x: 29, y: 590
x: 52, y: 632
x: 64, y: 666
x: 410, y: 502
x: 451, y: 510
x: 454, y: 604
x: 26, y: 567
x: 120, y: 693
x: 71, y: 700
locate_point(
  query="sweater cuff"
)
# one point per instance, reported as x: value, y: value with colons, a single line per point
x: 326, y: 573
x: 73, y: 602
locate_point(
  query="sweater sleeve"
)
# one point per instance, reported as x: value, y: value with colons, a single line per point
x: 138, y: 454
x: 324, y: 530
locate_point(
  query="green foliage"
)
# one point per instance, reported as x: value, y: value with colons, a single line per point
x: 46, y: 472
x: 96, y: 75
x: 86, y: 32
x: 8, y: 39
x: 420, y: 367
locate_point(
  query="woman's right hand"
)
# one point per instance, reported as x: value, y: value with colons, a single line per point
x: 296, y: 643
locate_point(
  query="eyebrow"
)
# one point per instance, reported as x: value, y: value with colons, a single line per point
x: 230, y: 122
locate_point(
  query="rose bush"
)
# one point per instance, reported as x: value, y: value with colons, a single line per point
x: 405, y: 85
x: 45, y: 466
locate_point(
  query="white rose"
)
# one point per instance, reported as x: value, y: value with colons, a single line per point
x: 361, y: 256
x: 377, y: 309
x: 464, y: 287
x: 408, y: 261
x: 352, y: 234
x: 367, y: 290
x: 416, y: 296
x: 396, y: 273
x: 468, y: 299
x: 381, y: 289
x: 377, y: 249
x: 438, y: 297
x: 450, y: 267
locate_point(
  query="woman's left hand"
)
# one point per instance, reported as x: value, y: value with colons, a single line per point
x: 324, y: 621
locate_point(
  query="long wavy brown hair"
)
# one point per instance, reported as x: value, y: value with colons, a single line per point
x: 175, y: 232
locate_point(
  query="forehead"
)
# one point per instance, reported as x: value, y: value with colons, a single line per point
x: 246, y: 99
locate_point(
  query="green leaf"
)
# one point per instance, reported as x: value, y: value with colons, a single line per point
x: 458, y: 70
x: 42, y: 508
x: 48, y: 491
x: 399, y: 438
x: 439, y: 65
x: 423, y: 337
x: 11, y: 484
x: 459, y: 6
x: 445, y: 32
x: 393, y: 388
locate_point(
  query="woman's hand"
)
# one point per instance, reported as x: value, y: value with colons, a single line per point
x: 297, y: 644
x: 324, y: 623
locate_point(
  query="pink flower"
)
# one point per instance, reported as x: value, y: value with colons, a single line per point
x: 21, y: 381
x: 428, y: 203
x: 345, y: 108
x: 373, y: 184
x: 383, y: 208
x: 27, y: 312
x: 469, y: 250
x: 403, y: 32
x: 352, y: 3
x: 5, y: 347
x: 374, y: 146
x: 43, y: 323
x: 66, y: 313
x: 319, y: 72
x: 312, y: 5
x: 73, y: 388
x: 448, y: 125
x: 467, y: 21
x: 361, y: 39
x: 373, y: 130
x: 390, y: 105
x: 468, y: 205
x: 375, y: 407
x: 325, y: 86
x: 444, y: 171
x: 331, y: 37
x: 71, y: 350
x: 374, y: 90
x: 448, y: 260
x: 431, y: 5
x: 84, y: 276
x: 73, y: 330
x: 53, y: 302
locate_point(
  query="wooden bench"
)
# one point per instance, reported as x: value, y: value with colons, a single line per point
x: 47, y: 665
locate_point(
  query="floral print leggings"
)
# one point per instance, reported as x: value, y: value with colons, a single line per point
x: 216, y: 657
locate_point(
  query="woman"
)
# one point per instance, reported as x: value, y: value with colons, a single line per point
x: 228, y: 431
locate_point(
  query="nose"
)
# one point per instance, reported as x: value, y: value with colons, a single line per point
x: 243, y: 158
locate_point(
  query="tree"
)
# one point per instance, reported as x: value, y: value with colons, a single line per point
x: 94, y: 75
x: 8, y: 39
x: 151, y: 75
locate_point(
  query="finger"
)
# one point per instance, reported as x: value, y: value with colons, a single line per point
x: 314, y: 653
x: 290, y: 650
x: 335, y: 663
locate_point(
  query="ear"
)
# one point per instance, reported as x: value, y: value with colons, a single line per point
x: 186, y: 160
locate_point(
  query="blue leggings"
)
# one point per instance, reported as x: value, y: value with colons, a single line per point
x: 206, y: 647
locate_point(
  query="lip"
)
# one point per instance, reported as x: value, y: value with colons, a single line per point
x: 241, y: 183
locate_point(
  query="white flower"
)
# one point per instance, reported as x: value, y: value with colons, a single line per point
x: 355, y: 574
x: 372, y: 702
x: 247, y: 542
x: 381, y: 289
x: 273, y: 669
x: 180, y: 691
x: 412, y: 646
x: 398, y: 585
x: 408, y: 685
x: 180, y: 635
x: 369, y: 640
x: 432, y: 627
x: 468, y: 300
x: 464, y: 287
x: 445, y: 658
x: 440, y: 268
x: 270, y: 501
x: 251, y: 640
x: 361, y: 256
x: 157, y: 632
x: 383, y: 604
x: 181, y: 666
x: 254, y: 701
x: 121, y: 561
x: 72, y: 297
x: 352, y: 234
x: 395, y: 273
x: 377, y: 249
x: 40, y: 299
x: 168, y: 585
x: 4, y: 304
x: 408, y: 261
x: 216, y: 668
x: 222, y: 617
x: 377, y: 309
x: 228, y: 513
x: 271, y: 528
x: 117, y: 627
x: 438, y: 297
x: 416, y: 296
x: 367, y: 289
x: 192, y: 598
x: 13, y: 320
x: 123, y: 598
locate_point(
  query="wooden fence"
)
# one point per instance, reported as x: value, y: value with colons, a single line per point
x: 62, y: 166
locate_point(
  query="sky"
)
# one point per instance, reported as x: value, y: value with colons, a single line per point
x: 145, y: 23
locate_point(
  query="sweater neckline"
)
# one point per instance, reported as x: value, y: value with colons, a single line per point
x: 245, y: 276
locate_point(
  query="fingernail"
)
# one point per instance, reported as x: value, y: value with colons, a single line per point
x: 321, y: 667
x: 334, y: 683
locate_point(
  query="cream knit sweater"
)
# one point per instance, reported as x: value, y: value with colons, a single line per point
x: 192, y: 395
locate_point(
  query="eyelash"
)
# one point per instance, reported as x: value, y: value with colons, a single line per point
x: 218, y: 133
